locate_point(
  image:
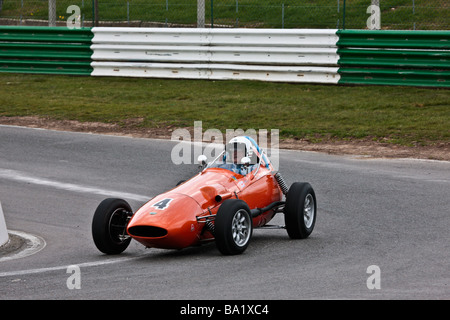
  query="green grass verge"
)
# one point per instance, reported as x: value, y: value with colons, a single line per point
x: 403, y: 115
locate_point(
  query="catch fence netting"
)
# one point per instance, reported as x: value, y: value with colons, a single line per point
x: 320, y: 14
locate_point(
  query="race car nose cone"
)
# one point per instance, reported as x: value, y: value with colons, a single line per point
x: 167, y: 221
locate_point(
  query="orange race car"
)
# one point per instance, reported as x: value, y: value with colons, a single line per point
x: 236, y: 192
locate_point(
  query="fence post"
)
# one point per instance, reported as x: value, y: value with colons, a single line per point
x: 237, y: 13
x: 51, y: 13
x: 343, y: 15
x: 96, y: 12
x: 167, y: 10
x: 128, y: 12
x: 212, y: 13
x: 200, y: 13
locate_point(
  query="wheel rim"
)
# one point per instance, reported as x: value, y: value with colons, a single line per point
x: 117, y: 226
x: 308, y: 211
x: 241, y: 228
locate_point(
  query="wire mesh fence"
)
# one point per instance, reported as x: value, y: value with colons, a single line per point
x: 348, y: 14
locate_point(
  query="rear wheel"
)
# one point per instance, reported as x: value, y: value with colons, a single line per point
x: 233, y: 227
x: 109, y: 226
x: 300, y: 210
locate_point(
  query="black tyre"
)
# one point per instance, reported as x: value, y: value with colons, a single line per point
x: 233, y: 227
x: 300, y: 210
x: 109, y: 226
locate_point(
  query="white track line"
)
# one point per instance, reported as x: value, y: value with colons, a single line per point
x: 22, y: 177
x: 59, y: 268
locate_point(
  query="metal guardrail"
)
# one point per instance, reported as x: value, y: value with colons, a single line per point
x: 45, y: 50
x: 302, y: 55
x: 419, y: 58
x: 394, y: 39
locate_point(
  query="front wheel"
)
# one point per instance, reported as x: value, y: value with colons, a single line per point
x: 109, y: 226
x: 233, y: 227
x: 300, y: 210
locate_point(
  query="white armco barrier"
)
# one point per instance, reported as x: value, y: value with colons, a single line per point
x: 292, y: 55
x: 4, y: 237
x: 217, y: 72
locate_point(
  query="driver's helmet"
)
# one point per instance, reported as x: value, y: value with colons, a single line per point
x: 237, y: 148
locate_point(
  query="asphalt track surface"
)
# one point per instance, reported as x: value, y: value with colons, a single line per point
x: 391, y: 214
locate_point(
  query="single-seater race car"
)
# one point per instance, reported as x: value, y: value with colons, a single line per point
x: 231, y: 195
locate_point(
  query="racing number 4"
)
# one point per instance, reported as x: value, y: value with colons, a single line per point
x: 163, y: 204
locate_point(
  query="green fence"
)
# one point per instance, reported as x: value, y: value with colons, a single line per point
x: 420, y: 58
x: 56, y: 50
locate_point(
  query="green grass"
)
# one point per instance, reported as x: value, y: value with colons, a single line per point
x: 399, y: 14
x: 403, y: 115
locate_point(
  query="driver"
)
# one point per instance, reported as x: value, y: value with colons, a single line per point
x: 234, y: 152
